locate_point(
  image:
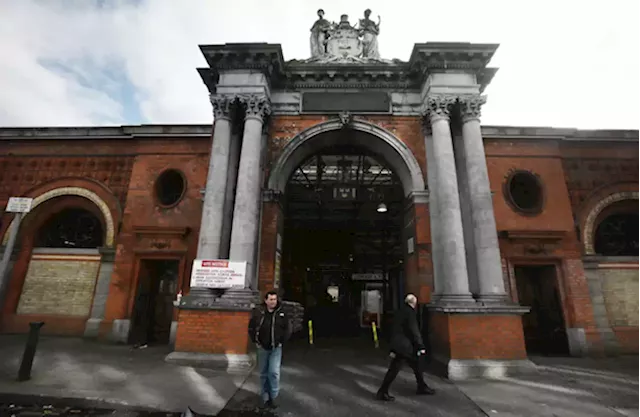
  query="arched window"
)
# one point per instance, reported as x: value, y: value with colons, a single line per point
x: 617, y: 235
x: 71, y: 228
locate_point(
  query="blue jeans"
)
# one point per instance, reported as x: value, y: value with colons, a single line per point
x: 269, y: 364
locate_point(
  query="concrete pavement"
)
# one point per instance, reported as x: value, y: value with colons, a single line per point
x: 337, y: 378
x: 567, y: 387
x: 342, y: 380
x: 114, y: 376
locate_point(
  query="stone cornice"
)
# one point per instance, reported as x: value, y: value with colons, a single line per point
x: 433, y: 57
x: 446, y: 55
x: 426, y: 58
x: 240, y: 56
x: 133, y: 132
x: 480, y: 309
x: 393, y: 75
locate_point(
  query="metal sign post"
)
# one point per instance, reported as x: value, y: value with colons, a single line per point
x: 20, y: 206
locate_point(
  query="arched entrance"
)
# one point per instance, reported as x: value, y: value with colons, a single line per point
x: 55, y: 275
x: 342, y: 251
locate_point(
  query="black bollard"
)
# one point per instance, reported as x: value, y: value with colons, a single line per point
x: 29, y: 351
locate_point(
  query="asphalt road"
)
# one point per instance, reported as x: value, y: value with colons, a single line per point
x: 341, y: 378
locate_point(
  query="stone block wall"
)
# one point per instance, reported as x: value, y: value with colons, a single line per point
x: 613, y: 286
x: 620, y: 290
x: 59, y: 284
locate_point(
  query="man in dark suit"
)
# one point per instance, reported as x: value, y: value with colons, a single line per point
x: 406, y: 346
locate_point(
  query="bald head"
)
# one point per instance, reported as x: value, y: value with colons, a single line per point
x: 411, y: 300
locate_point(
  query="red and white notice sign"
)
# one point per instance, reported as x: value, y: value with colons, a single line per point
x: 218, y: 273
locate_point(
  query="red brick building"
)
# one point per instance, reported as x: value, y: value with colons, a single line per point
x: 331, y: 179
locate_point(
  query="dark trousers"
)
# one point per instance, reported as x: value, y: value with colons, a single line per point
x: 394, y: 369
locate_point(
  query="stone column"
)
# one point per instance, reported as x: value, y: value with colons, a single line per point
x: 244, y: 232
x: 232, y: 178
x: 450, y: 239
x: 485, y: 235
x: 434, y: 223
x: 465, y: 210
x: 215, y: 190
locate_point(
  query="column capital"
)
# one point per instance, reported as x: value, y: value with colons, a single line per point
x: 438, y: 107
x: 256, y: 106
x: 470, y: 107
x: 222, y: 106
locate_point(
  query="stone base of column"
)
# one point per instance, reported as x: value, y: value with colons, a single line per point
x: 212, y: 331
x: 453, y: 299
x: 464, y: 369
x: 475, y: 341
x: 493, y: 299
x: 120, y: 331
x: 227, y: 362
x: 92, y: 328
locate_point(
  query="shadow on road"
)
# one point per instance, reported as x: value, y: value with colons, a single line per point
x: 341, y: 378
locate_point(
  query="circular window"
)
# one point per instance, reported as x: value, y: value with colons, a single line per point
x: 170, y: 187
x: 523, y: 191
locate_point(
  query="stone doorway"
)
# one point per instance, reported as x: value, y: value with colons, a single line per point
x: 153, y: 306
x: 544, y: 327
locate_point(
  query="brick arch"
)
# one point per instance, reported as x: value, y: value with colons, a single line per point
x: 366, y: 135
x: 108, y: 218
x: 588, y: 231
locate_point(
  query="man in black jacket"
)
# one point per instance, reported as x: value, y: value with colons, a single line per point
x: 406, y: 346
x: 269, y: 328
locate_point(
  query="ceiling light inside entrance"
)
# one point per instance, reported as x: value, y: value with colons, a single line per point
x: 382, y: 208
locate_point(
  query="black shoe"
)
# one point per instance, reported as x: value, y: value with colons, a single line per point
x: 272, y: 404
x: 383, y: 396
x: 425, y: 390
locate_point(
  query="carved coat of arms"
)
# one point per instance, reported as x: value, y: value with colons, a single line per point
x: 343, y: 43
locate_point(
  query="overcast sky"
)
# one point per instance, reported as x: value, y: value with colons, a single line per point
x: 563, y: 63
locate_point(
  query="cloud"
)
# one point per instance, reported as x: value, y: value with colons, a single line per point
x: 96, y: 62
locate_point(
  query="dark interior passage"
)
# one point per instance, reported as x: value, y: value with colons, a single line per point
x: 544, y: 327
x: 342, y: 256
x: 153, y: 307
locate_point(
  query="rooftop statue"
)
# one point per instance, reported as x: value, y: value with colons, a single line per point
x: 319, y: 35
x: 343, y: 43
x: 369, y: 31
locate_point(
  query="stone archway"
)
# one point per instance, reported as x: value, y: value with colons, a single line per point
x: 356, y: 135
x: 366, y: 135
x: 109, y: 233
